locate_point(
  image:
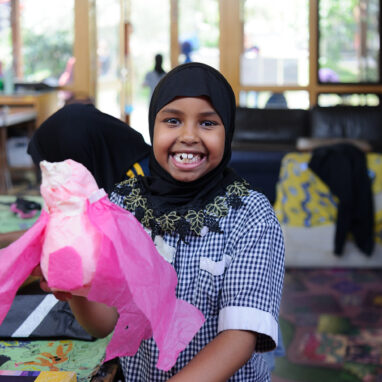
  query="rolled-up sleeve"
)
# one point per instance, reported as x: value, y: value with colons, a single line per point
x: 252, y: 286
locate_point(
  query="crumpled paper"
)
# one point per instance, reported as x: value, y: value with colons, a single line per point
x: 90, y: 247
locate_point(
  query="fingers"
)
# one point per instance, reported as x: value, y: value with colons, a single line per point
x: 37, y: 271
x: 44, y: 285
x: 62, y: 296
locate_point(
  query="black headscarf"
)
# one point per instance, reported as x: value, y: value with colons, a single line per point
x: 105, y: 145
x: 161, y: 189
x: 158, y: 64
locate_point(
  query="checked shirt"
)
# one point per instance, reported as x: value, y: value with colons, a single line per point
x: 234, y: 277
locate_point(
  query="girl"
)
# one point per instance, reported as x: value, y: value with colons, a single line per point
x: 95, y: 139
x: 222, y: 238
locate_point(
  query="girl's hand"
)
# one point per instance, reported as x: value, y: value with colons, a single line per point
x: 63, y: 296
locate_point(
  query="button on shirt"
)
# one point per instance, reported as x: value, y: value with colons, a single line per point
x: 235, y: 278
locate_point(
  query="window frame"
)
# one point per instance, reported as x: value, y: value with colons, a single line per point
x: 230, y: 51
x: 230, y: 45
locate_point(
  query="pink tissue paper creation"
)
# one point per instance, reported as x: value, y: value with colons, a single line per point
x: 91, y: 247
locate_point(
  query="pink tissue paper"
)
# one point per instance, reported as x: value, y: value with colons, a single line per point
x: 91, y: 247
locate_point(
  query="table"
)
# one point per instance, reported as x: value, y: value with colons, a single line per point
x: 11, y: 117
x: 44, y: 102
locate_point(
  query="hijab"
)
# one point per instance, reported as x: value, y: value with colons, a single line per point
x: 158, y: 64
x: 105, y: 145
x: 163, y: 191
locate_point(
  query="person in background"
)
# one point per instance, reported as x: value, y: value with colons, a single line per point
x: 276, y: 101
x: 110, y: 149
x: 223, y: 238
x: 186, y: 49
x: 105, y: 145
x: 154, y: 76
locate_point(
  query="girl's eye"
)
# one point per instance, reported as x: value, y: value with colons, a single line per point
x: 172, y: 121
x: 208, y: 123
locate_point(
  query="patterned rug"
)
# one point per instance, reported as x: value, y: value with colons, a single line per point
x: 331, y: 322
x: 9, y: 221
x: 82, y: 357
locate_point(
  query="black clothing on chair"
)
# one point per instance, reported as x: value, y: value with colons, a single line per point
x: 343, y: 168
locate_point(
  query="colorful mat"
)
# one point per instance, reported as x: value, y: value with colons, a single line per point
x: 9, y: 221
x: 331, y: 322
x: 82, y: 357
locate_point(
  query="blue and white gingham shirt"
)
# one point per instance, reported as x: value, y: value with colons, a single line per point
x: 235, y: 278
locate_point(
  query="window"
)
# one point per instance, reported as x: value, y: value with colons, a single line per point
x: 5, y: 36
x: 349, y: 41
x: 275, y: 43
x: 149, y: 36
x: 108, y: 56
x: 47, y: 42
x: 352, y: 99
x: 199, y: 31
x: 308, y: 51
x: 276, y: 100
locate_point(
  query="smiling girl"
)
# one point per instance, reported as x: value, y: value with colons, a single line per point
x: 221, y: 237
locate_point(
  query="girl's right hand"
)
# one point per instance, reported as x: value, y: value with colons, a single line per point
x: 63, y: 296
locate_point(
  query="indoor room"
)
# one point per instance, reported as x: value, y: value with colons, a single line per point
x: 306, y: 76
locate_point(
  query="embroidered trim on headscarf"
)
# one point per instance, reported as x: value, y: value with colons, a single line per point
x: 183, y: 223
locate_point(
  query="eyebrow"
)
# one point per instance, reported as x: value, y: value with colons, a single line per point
x: 171, y: 111
x: 179, y: 112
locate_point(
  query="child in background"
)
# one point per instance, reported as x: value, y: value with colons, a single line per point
x: 110, y: 149
x: 154, y: 76
x: 221, y: 236
x: 105, y: 145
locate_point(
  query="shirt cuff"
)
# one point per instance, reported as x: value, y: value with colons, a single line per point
x: 246, y: 318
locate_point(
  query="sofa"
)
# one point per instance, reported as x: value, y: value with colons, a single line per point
x: 263, y: 136
x: 272, y: 149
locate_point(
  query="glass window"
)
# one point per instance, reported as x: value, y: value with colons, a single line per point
x: 349, y: 41
x: 287, y: 100
x: 150, y: 35
x: 5, y: 36
x: 108, y: 53
x: 47, y: 41
x: 199, y: 31
x: 348, y: 99
x: 275, y: 42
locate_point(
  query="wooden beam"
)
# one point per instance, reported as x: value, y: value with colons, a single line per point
x: 125, y: 59
x: 174, y: 33
x: 85, y: 49
x: 16, y: 39
x: 313, y: 52
x: 231, y: 42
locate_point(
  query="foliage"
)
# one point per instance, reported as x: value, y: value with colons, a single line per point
x: 338, y: 33
x: 5, y: 48
x: 337, y: 19
x: 45, y: 55
x: 200, y: 19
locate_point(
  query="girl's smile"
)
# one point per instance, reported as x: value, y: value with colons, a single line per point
x: 189, y: 138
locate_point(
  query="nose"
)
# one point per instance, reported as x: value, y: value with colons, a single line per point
x: 189, y: 134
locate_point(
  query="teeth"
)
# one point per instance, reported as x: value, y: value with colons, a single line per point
x: 186, y: 157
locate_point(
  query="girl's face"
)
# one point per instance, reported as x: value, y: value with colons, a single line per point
x: 189, y: 138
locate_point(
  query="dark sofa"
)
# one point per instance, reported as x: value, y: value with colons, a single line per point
x: 263, y: 136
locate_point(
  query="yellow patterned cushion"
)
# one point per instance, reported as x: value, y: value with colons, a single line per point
x: 303, y: 200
